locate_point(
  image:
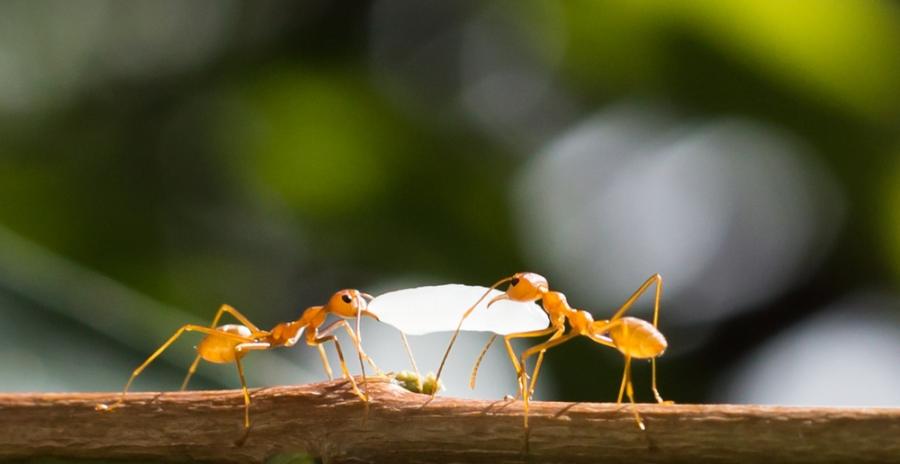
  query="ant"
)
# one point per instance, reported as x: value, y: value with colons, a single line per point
x: 633, y: 337
x: 231, y: 342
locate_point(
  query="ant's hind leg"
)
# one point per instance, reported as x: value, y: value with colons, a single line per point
x: 659, y: 398
x: 238, y: 353
x: 246, y: 393
x: 629, y: 388
x: 240, y: 441
x: 624, y: 381
x: 654, y: 279
x: 190, y: 372
x: 237, y: 315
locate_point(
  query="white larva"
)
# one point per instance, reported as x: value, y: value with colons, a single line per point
x: 438, y: 308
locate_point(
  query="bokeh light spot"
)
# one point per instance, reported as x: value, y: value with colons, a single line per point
x: 729, y: 212
x: 846, y: 356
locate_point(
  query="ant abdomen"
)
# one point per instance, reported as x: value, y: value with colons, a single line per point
x: 638, y: 338
x: 220, y: 350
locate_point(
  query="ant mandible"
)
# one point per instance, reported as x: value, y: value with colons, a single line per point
x: 231, y: 342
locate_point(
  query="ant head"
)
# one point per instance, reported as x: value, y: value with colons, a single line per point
x: 348, y: 302
x: 524, y: 286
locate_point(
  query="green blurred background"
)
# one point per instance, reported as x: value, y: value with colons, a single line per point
x: 159, y: 158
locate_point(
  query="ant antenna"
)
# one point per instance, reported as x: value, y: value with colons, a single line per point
x: 484, y: 351
x: 437, y: 376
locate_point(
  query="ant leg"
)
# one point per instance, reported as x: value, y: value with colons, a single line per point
x: 240, y: 368
x: 550, y: 343
x: 481, y: 355
x: 344, y: 369
x: 239, y: 351
x: 412, y: 359
x: 356, y: 343
x: 656, y: 394
x: 359, y: 351
x: 324, y: 358
x: 540, y: 360
x: 629, y: 388
x: 624, y: 381
x: 654, y: 279
x: 509, y: 351
x: 190, y: 373
x: 520, y: 368
x: 437, y: 377
x: 159, y: 351
x: 240, y: 317
x: 659, y: 398
x: 215, y: 322
x: 531, y: 352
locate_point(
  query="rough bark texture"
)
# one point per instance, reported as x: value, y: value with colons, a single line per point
x: 325, y: 420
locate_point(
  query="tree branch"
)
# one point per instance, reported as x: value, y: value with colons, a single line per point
x: 326, y: 420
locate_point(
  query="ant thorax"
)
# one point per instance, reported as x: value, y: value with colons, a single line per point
x: 556, y: 305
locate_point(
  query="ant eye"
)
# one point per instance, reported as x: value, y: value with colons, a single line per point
x: 514, y: 281
x: 346, y: 298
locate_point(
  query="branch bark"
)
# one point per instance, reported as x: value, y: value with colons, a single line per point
x: 326, y: 420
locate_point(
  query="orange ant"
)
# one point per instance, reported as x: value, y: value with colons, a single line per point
x: 633, y: 337
x: 231, y: 342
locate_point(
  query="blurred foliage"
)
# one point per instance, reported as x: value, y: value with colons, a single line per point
x: 846, y: 54
x: 326, y: 143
